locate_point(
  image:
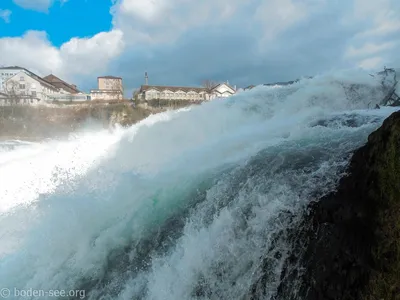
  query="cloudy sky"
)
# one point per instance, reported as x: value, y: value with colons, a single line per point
x: 182, y: 42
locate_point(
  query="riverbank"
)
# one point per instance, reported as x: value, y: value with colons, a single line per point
x: 35, y: 123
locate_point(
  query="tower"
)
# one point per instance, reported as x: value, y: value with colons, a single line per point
x: 146, y: 79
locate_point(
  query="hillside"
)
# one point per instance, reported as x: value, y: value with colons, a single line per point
x: 56, y: 121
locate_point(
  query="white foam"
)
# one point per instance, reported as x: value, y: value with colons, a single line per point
x: 107, y: 190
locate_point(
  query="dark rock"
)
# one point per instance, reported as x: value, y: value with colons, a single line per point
x: 349, y: 244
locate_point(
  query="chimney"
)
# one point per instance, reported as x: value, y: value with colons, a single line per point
x: 146, y: 79
x: 235, y: 87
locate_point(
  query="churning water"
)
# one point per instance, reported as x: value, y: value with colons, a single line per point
x: 185, y: 204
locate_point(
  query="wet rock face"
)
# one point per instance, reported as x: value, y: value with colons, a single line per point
x: 349, y: 244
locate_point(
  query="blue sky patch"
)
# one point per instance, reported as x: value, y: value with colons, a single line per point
x: 74, y: 18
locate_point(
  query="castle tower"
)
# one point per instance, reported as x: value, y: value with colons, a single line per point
x: 146, y: 79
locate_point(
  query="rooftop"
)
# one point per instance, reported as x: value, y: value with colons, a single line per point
x: 61, y: 84
x: 144, y: 88
x: 33, y: 75
x: 109, y: 77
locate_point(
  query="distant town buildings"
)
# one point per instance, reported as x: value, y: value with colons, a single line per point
x: 61, y: 84
x: 20, y: 86
x: 109, y: 88
x: 158, y: 92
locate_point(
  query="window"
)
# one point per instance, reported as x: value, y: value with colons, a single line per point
x: 33, y: 93
x: 21, y: 86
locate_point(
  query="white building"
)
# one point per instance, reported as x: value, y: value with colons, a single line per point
x: 222, y: 90
x: 152, y: 92
x: 64, y: 87
x: 157, y: 92
x: 24, y: 84
x: 109, y: 88
x: 6, y: 100
x: 66, y: 92
x: 8, y: 72
x: 25, y: 87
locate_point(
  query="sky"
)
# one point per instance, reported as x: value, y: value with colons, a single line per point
x: 183, y: 42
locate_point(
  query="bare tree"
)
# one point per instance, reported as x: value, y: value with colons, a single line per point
x: 13, y: 95
x: 209, y: 84
x: 13, y: 92
x: 136, y: 96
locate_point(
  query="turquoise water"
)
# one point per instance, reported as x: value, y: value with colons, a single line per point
x: 186, y: 204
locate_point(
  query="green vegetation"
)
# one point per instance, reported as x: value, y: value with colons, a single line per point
x: 39, y: 122
x: 62, y: 118
x: 166, y: 103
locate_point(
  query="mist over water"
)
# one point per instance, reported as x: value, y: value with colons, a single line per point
x: 185, y: 204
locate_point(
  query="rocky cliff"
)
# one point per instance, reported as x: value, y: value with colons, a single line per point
x: 349, y: 244
x: 27, y: 122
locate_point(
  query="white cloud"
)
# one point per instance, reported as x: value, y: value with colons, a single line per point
x: 38, y: 5
x: 88, y: 55
x: 384, y: 15
x: 5, y: 15
x: 163, y: 21
x: 378, y: 37
x: 32, y: 50
x: 372, y: 63
x: 278, y: 15
x: 78, y: 57
x: 369, y: 49
x: 245, y: 42
x: 383, y: 28
x: 147, y: 10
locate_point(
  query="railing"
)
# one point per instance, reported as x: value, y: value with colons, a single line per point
x: 68, y: 97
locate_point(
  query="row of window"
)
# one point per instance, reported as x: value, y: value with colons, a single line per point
x: 177, y: 95
x: 19, y: 101
x: 8, y: 74
x: 33, y: 93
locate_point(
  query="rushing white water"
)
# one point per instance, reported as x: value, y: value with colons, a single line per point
x: 186, y: 204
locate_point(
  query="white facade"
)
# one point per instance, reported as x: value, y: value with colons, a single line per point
x: 64, y: 96
x: 222, y: 90
x: 166, y: 94
x: 109, y: 88
x: 23, y: 84
x: 6, y: 73
x: 106, y: 95
x: 6, y: 100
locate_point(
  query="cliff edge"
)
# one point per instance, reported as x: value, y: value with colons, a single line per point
x: 349, y: 244
x: 58, y: 121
